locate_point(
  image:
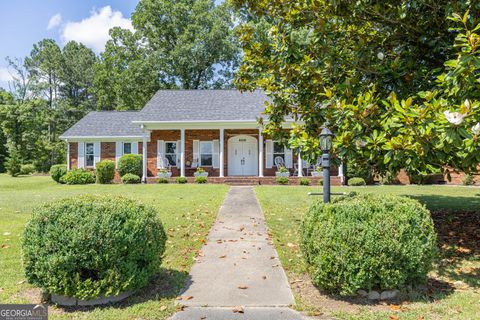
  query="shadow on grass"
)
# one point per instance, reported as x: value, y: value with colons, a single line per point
x: 447, y: 203
x: 167, y: 283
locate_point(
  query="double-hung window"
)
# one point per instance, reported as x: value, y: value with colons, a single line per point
x: 206, y: 153
x: 89, y: 155
x: 171, y: 152
x: 127, y: 148
x: 278, y: 150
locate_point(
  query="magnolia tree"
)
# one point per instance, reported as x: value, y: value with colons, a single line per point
x: 392, y: 100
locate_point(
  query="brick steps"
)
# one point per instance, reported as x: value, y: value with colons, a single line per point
x: 253, y: 181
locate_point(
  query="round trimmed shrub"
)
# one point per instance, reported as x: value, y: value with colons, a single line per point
x: 200, y: 179
x: 27, y: 169
x: 368, y: 242
x: 105, y: 171
x: 356, y: 182
x: 304, y: 182
x: 162, y: 180
x: 78, y: 176
x: 130, y: 179
x: 90, y: 246
x: 57, y: 171
x: 181, y: 180
x: 130, y: 163
x: 282, y: 180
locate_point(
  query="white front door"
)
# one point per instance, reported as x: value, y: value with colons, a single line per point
x: 242, y: 156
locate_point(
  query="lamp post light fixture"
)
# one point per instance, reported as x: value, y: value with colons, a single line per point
x: 326, y: 137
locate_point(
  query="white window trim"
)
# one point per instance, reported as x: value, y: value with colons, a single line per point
x: 200, y: 153
x: 87, y: 154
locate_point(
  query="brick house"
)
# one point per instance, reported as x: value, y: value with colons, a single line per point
x: 216, y: 130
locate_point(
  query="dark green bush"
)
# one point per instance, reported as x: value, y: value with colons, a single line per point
x: 359, y: 169
x: 130, y: 179
x: 389, y: 178
x: 90, y: 246
x: 78, y: 176
x: 105, y: 171
x: 357, y: 181
x: 27, y: 169
x: 200, y: 179
x: 282, y: 180
x: 162, y: 180
x: 181, y: 180
x: 304, y: 182
x: 320, y: 182
x: 57, y: 171
x: 130, y: 163
x: 13, y: 163
x: 370, y: 241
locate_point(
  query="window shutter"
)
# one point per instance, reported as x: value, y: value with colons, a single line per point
x: 269, y: 153
x: 118, y: 151
x: 160, y: 154
x: 96, y: 153
x: 215, y: 156
x: 196, y: 153
x: 134, y: 147
x: 288, y: 158
x: 177, y: 153
x: 81, y: 155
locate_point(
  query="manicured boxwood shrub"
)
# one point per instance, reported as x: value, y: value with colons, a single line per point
x: 369, y: 241
x: 181, y: 180
x: 78, y: 176
x: 105, y: 171
x: 130, y: 179
x: 89, y: 246
x: 162, y: 180
x: 57, y: 171
x: 304, y: 182
x: 200, y: 179
x: 130, y: 163
x: 357, y: 181
x: 27, y: 169
x: 282, y: 180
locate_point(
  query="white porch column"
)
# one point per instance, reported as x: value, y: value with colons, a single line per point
x: 68, y: 155
x: 182, y: 152
x: 144, y: 157
x: 220, y: 153
x: 260, y: 152
x: 300, y: 165
x: 341, y: 174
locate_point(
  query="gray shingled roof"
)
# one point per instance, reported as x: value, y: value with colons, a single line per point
x: 105, y: 124
x: 203, y: 105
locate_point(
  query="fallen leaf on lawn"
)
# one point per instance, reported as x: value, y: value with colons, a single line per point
x: 275, y: 265
x: 5, y: 246
x: 178, y: 298
x: 224, y: 256
x: 7, y: 233
x: 188, y: 297
x: 22, y: 282
x: 243, y: 287
x: 393, y: 317
x: 290, y: 245
x: 296, y: 281
x: 395, y: 307
x: 272, y: 257
x: 238, y: 309
x: 180, y: 308
x: 163, y: 308
x: 242, y: 228
x: 1, y: 289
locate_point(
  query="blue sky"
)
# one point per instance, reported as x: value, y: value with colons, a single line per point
x: 25, y: 22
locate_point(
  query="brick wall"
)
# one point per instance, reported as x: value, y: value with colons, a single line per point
x: 73, y: 155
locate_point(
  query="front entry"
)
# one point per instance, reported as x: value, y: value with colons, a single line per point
x: 242, y: 156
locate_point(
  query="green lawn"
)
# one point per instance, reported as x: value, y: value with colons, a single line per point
x: 454, y: 286
x: 187, y: 211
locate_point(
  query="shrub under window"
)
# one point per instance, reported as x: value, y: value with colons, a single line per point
x: 78, y: 176
x: 105, y: 171
x: 130, y: 179
x: 130, y: 163
x: 90, y: 246
x: 368, y: 242
x: 357, y: 181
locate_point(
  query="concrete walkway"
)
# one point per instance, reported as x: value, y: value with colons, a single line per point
x: 238, y: 266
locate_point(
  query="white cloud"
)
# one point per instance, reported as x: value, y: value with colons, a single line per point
x: 93, y: 31
x: 54, y: 21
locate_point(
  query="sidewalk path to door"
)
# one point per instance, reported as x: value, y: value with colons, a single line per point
x: 238, y: 274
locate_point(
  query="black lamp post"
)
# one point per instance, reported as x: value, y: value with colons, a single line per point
x: 326, y: 145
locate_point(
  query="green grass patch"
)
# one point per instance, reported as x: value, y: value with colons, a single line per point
x: 454, y: 286
x: 187, y: 212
